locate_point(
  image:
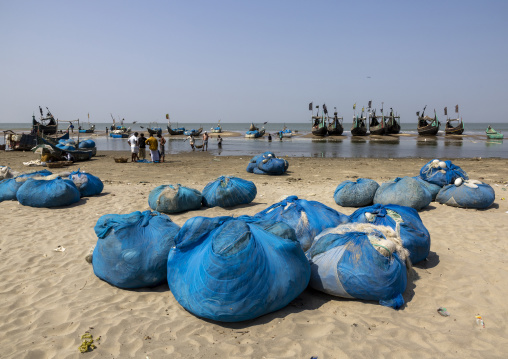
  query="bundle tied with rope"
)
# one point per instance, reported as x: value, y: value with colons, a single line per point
x: 174, y: 199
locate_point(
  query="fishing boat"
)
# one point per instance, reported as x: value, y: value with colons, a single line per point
x: 217, y: 129
x: 493, y: 134
x: 91, y: 129
x: 78, y: 155
x: 154, y: 129
x: 359, y: 126
x: 392, y: 124
x: 427, y: 126
x: 254, y: 132
x: 335, y: 127
x: 46, y: 124
x: 376, y: 123
x: 25, y: 142
x: 285, y: 132
x: 454, y: 126
x: 193, y: 132
x: 175, y: 131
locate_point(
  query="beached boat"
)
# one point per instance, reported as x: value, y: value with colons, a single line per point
x: 154, y: 129
x: 285, y: 132
x: 91, y: 129
x: 392, y: 124
x: 319, y: 127
x: 359, y: 126
x: 454, y: 126
x: 78, y: 155
x: 255, y: 133
x: 335, y: 127
x: 493, y: 134
x: 427, y: 126
x: 118, y: 134
x: 25, y: 142
x: 175, y: 131
x: 217, y: 129
x: 376, y: 123
x: 193, y: 132
x: 46, y: 124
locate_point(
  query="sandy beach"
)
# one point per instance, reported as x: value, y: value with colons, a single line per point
x: 50, y: 298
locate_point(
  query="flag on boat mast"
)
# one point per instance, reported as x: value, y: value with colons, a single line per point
x: 167, y: 116
x: 457, y: 108
x: 325, y: 110
x: 370, y: 103
x: 354, y: 106
x: 446, y: 111
x: 310, y: 106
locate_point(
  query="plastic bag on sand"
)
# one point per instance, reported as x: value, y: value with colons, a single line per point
x: 132, y: 249
x: 228, y: 191
x: 88, y: 184
x: 48, y: 192
x: 405, y: 191
x: 442, y: 173
x: 174, y: 198
x: 414, y: 235
x: 355, y: 194
x: 307, y: 218
x: 230, y: 270
x: 360, y: 261
x: 468, y: 194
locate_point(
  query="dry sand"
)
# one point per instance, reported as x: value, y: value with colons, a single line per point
x: 49, y: 299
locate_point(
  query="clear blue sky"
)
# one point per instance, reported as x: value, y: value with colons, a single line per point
x: 243, y: 61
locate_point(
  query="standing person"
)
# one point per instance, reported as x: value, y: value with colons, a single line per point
x: 191, y: 141
x: 142, y: 146
x: 71, y: 126
x: 162, y: 142
x: 107, y: 129
x: 280, y: 135
x: 219, y: 141
x: 269, y: 137
x: 205, y: 141
x: 133, y: 142
x: 152, y: 146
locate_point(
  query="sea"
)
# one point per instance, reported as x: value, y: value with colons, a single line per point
x: 474, y: 143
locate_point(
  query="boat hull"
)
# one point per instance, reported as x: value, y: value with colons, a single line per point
x: 154, y: 131
x: 377, y: 130
x: 255, y: 134
x: 428, y: 130
x: 319, y: 131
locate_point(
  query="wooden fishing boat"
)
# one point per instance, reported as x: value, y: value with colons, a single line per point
x: 427, y: 126
x: 285, y: 132
x: 392, y: 124
x: 47, y: 124
x: 25, y: 142
x: 90, y: 129
x: 193, y: 132
x: 450, y: 129
x: 359, y: 127
x: 154, y: 129
x: 376, y: 123
x: 217, y: 129
x: 335, y: 127
x: 79, y: 155
x: 255, y: 133
x: 319, y: 127
x: 175, y: 131
x: 493, y: 134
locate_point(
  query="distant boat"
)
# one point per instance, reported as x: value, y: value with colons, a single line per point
x: 286, y: 132
x: 47, y: 124
x: 193, y: 132
x: 175, y: 131
x: 254, y: 132
x: 335, y: 127
x: 154, y: 129
x: 319, y: 125
x: 359, y: 127
x: 91, y: 129
x: 454, y: 126
x: 217, y: 129
x: 376, y: 123
x: 493, y: 134
x: 392, y: 124
x: 427, y: 126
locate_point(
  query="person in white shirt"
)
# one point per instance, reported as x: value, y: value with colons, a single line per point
x: 191, y: 141
x: 133, y: 142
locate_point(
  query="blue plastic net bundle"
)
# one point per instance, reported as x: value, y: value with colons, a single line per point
x: 132, y: 249
x: 228, y: 191
x: 356, y: 194
x: 307, y: 218
x: 230, y: 270
x: 267, y: 164
x: 174, y: 199
x: 360, y: 261
x: 86, y: 144
x: 66, y: 145
x: 442, y: 173
x: 87, y: 184
x: 48, y: 193
x: 431, y: 187
x: 405, y: 191
x: 413, y: 233
x: 9, y: 187
x: 468, y: 194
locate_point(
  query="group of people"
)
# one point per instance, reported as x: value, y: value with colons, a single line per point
x: 155, y: 146
x: 206, y: 136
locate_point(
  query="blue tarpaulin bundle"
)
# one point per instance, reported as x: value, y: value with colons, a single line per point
x: 267, y: 164
x: 359, y: 261
x: 431, y: 187
x: 87, y: 144
x: 9, y: 187
x: 355, y: 194
x: 229, y: 270
x: 174, y: 198
x: 48, y: 193
x: 67, y: 145
x: 132, y: 249
x: 405, y: 191
x: 307, y: 218
x: 88, y: 184
x: 469, y: 194
x: 228, y: 191
x: 414, y: 235
x: 442, y: 173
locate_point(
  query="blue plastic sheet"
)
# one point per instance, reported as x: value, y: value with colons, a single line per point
x: 230, y: 270
x: 470, y: 194
x: 87, y: 184
x: 174, y: 198
x: 48, y: 193
x: 355, y: 194
x: 415, y: 236
x: 347, y: 265
x: 405, y: 191
x: 434, y: 173
x: 132, y: 249
x: 228, y: 191
x: 308, y: 218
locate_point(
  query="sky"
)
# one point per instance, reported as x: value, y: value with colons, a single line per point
x: 251, y: 61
